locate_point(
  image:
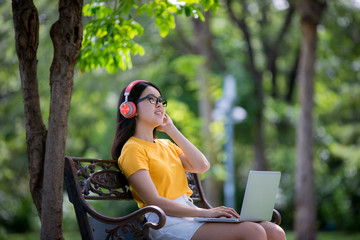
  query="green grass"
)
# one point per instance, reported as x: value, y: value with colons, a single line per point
x: 289, y: 234
x: 329, y: 236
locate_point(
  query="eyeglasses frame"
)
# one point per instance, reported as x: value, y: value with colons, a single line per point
x: 161, y: 100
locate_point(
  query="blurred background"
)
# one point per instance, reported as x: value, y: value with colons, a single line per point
x: 190, y: 66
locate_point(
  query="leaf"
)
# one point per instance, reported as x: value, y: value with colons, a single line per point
x: 138, y: 49
x: 126, y: 7
x: 142, y: 9
x: 87, y: 10
x: 150, y: 9
x: 171, y: 21
x: 164, y: 29
x: 201, y: 16
x: 187, y: 11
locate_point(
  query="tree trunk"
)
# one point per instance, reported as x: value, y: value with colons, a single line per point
x: 203, y: 46
x: 292, y: 78
x: 26, y: 24
x: 305, y: 202
x: 259, y: 145
x: 66, y: 35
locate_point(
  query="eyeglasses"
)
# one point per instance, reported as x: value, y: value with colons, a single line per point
x: 154, y: 100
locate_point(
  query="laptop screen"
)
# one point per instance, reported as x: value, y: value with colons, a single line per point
x: 260, y: 195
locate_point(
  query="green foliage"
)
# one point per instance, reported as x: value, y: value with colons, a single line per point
x: 188, y: 65
x: 337, y: 117
x: 110, y: 33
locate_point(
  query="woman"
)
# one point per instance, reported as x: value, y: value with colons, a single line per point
x: 155, y: 169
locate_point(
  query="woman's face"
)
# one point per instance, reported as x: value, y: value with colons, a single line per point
x: 148, y: 113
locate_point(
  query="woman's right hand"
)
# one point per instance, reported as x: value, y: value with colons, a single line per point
x: 220, y: 212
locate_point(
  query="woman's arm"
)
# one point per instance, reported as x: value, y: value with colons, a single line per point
x: 144, y: 186
x: 192, y: 159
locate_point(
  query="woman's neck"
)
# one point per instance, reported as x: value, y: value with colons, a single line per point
x: 143, y: 134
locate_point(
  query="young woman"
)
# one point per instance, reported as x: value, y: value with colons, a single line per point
x: 155, y: 169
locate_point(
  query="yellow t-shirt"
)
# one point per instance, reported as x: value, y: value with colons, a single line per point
x: 162, y: 160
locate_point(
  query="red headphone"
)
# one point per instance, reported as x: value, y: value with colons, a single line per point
x: 128, y: 109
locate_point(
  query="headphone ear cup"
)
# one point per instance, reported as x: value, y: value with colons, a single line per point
x: 128, y: 109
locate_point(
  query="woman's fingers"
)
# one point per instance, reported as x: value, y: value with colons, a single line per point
x: 224, y: 212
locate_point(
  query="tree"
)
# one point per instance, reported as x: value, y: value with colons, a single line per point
x: 310, y: 13
x: 46, y: 147
x: 271, y: 51
x: 203, y: 46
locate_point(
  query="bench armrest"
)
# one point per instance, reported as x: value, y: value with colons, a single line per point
x: 276, y: 217
x: 136, y: 215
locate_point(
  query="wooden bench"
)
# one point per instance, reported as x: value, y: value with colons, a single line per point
x: 97, y: 179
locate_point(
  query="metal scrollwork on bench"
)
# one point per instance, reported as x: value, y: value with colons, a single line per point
x: 102, y: 179
x: 134, y: 228
x: 192, y: 185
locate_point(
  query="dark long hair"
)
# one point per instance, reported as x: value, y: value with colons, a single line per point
x: 125, y: 127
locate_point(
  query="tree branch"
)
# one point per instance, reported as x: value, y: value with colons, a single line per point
x: 240, y: 22
x: 26, y: 24
x: 272, y: 52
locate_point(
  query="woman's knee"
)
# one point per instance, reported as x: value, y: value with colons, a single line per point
x: 254, y: 231
x: 278, y: 233
x: 273, y: 231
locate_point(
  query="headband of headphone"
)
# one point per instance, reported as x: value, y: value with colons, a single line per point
x: 128, y: 109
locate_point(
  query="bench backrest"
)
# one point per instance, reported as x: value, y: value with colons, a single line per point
x: 99, y: 179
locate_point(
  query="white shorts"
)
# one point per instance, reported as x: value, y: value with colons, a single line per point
x: 175, y: 228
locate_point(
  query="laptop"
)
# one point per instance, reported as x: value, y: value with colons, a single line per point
x: 259, y: 199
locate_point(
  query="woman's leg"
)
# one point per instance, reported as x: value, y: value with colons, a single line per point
x: 273, y: 231
x: 230, y: 231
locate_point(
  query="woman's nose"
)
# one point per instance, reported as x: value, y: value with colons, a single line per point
x: 159, y: 103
